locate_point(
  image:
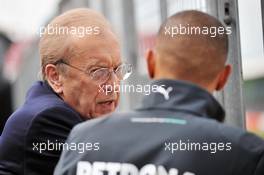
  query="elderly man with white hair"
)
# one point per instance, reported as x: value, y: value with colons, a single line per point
x: 74, y: 65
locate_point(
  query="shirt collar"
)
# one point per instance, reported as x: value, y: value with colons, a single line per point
x: 184, y: 96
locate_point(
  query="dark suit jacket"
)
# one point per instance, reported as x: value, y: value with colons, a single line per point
x: 5, y: 102
x: 27, y: 144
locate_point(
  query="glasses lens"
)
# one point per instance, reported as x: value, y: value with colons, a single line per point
x: 100, y: 75
x: 123, y: 71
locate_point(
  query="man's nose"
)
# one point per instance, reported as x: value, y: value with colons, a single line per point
x: 113, y: 78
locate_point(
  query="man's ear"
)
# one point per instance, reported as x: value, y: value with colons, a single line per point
x: 223, y: 77
x: 150, y: 58
x: 54, y: 78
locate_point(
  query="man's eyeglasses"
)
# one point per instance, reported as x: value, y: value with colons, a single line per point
x: 101, y: 75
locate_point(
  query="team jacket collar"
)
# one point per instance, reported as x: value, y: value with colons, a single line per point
x: 183, y: 96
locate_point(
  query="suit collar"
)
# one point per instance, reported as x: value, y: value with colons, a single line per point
x: 183, y: 96
x: 40, y: 88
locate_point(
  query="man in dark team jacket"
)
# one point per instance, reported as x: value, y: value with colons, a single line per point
x: 32, y: 139
x: 178, y: 130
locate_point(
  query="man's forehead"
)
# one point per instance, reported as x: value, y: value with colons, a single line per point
x: 103, y: 60
x: 94, y: 50
x: 96, y: 44
x: 99, y: 59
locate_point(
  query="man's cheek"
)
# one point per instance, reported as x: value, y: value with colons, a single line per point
x: 98, y: 111
x: 105, y: 108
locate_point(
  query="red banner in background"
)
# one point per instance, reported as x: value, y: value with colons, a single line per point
x: 255, y: 122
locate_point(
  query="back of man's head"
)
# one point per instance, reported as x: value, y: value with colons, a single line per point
x: 191, y: 46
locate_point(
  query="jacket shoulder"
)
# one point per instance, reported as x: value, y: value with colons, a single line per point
x: 247, y: 148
